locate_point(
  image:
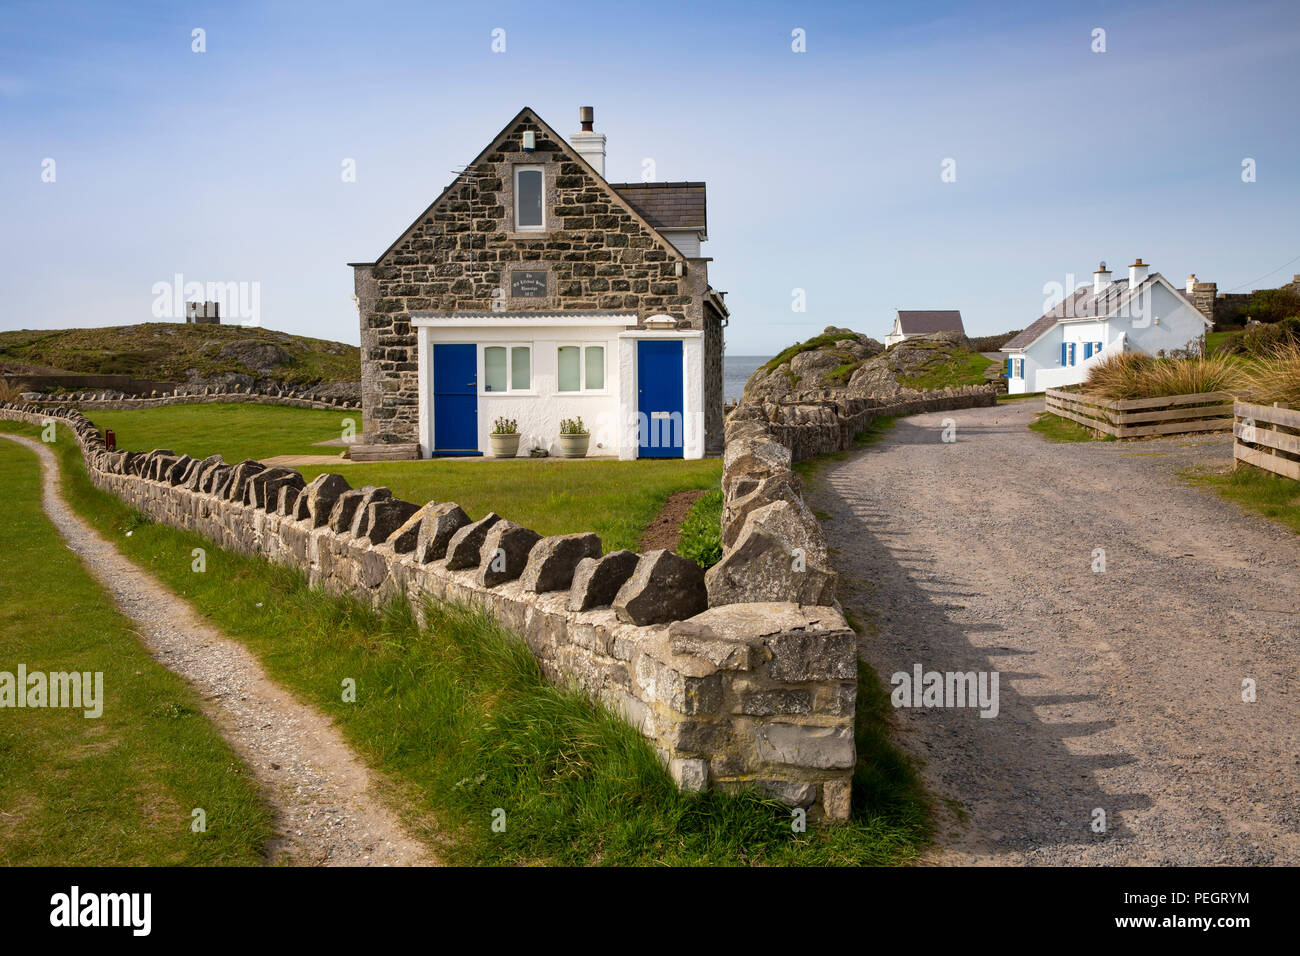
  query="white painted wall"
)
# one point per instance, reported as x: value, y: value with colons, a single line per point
x: 609, y: 414
x: 1163, y: 322
x: 686, y: 241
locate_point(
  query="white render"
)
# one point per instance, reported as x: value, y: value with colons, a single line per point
x: 1159, y: 320
x: 609, y: 413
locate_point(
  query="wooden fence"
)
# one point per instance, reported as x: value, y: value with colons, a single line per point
x: 1268, y: 437
x: 1137, y: 417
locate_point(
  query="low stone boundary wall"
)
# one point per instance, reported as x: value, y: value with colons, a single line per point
x: 773, y: 546
x: 120, y: 400
x: 747, y: 695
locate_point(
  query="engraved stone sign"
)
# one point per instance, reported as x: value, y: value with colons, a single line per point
x: 528, y: 284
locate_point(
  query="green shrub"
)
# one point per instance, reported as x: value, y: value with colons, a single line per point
x: 1260, y: 340
x: 1273, y: 305
x: 702, y: 531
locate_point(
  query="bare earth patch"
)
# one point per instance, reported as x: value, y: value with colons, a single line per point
x: 327, y: 809
x: 1121, y: 690
x: 665, y: 531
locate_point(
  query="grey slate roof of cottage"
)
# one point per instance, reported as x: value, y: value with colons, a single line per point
x: 940, y: 320
x: 667, y: 205
x: 1085, y: 304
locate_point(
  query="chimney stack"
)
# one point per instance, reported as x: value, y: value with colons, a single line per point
x: 1191, y: 283
x: 588, y: 144
x: 1100, y: 278
x: 1137, y: 273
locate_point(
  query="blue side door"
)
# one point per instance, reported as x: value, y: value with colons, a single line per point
x: 660, y: 398
x: 455, y: 400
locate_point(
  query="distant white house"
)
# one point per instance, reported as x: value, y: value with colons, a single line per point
x: 1143, y: 313
x: 909, y: 323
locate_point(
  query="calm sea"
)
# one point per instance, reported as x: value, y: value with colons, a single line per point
x: 736, y: 370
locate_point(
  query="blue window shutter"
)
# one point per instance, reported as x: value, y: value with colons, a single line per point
x: 1008, y: 368
x: 1087, y: 350
x: 1064, y: 352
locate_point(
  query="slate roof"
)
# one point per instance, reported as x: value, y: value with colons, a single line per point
x: 940, y: 320
x: 1085, y: 304
x: 667, y: 205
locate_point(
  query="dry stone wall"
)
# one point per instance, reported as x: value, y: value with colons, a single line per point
x: 773, y: 546
x: 108, y: 399
x: 758, y: 694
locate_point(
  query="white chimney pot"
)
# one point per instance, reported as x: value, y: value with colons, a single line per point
x: 1100, y: 278
x: 589, y: 145
x: 1137, y: 273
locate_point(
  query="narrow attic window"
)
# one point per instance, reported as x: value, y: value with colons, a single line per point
x: 528, y: 199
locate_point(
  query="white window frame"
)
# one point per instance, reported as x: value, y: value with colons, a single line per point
x: 510, y: 368
x: 515, y: 186
x: 1017, y: 368
x: 582, y: 368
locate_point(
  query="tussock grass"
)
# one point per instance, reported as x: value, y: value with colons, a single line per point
x: 1276, y: 377
x: 1127, y: 375
x: 456, y: 714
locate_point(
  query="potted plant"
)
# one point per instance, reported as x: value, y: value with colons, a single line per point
x: 573, y: 438
x: 504, y: 438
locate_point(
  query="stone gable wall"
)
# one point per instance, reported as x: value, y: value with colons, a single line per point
x: 458, y: 256
x: 748, y: 695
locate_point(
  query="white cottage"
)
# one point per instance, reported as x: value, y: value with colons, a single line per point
x: 1143, y: 313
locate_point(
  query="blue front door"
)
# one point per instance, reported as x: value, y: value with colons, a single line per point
x: 659, y: 402
x: 455, y: 400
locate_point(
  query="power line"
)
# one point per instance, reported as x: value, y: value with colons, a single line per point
x: 1265, y: 275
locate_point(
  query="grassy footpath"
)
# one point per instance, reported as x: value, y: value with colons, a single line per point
x: 460, y: 718
x: 615, y: 499
x: 118, y: 789
x: 1274, y: 496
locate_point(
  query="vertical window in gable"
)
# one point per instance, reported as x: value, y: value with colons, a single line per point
x: 529, y: 214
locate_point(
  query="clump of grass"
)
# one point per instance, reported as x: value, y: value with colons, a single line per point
x: 1120, y: 376
x: 1135, y: 375
x: 1193, y: 376
x: 1276, y: 377
x: 701, y: 539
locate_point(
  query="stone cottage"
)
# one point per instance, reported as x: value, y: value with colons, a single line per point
x: 533, y: 290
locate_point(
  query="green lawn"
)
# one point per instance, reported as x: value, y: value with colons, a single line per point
x: 235, y: 430
x: 459, y: 717
x: 615, y: 499
x: 1274, y: 496
x: 119, y: 789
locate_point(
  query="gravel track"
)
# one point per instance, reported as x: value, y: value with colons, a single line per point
x: 326, y: 809
x: 1119, y: 690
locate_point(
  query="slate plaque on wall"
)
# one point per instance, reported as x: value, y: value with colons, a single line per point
x: 528, y: 284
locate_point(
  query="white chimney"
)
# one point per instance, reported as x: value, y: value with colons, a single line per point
x: 1100, y: 278
x: 1137, y: 273
x: 590, y: 146
x: 1191, y: 283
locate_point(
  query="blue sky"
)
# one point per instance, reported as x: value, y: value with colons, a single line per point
x: 823, y: 167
